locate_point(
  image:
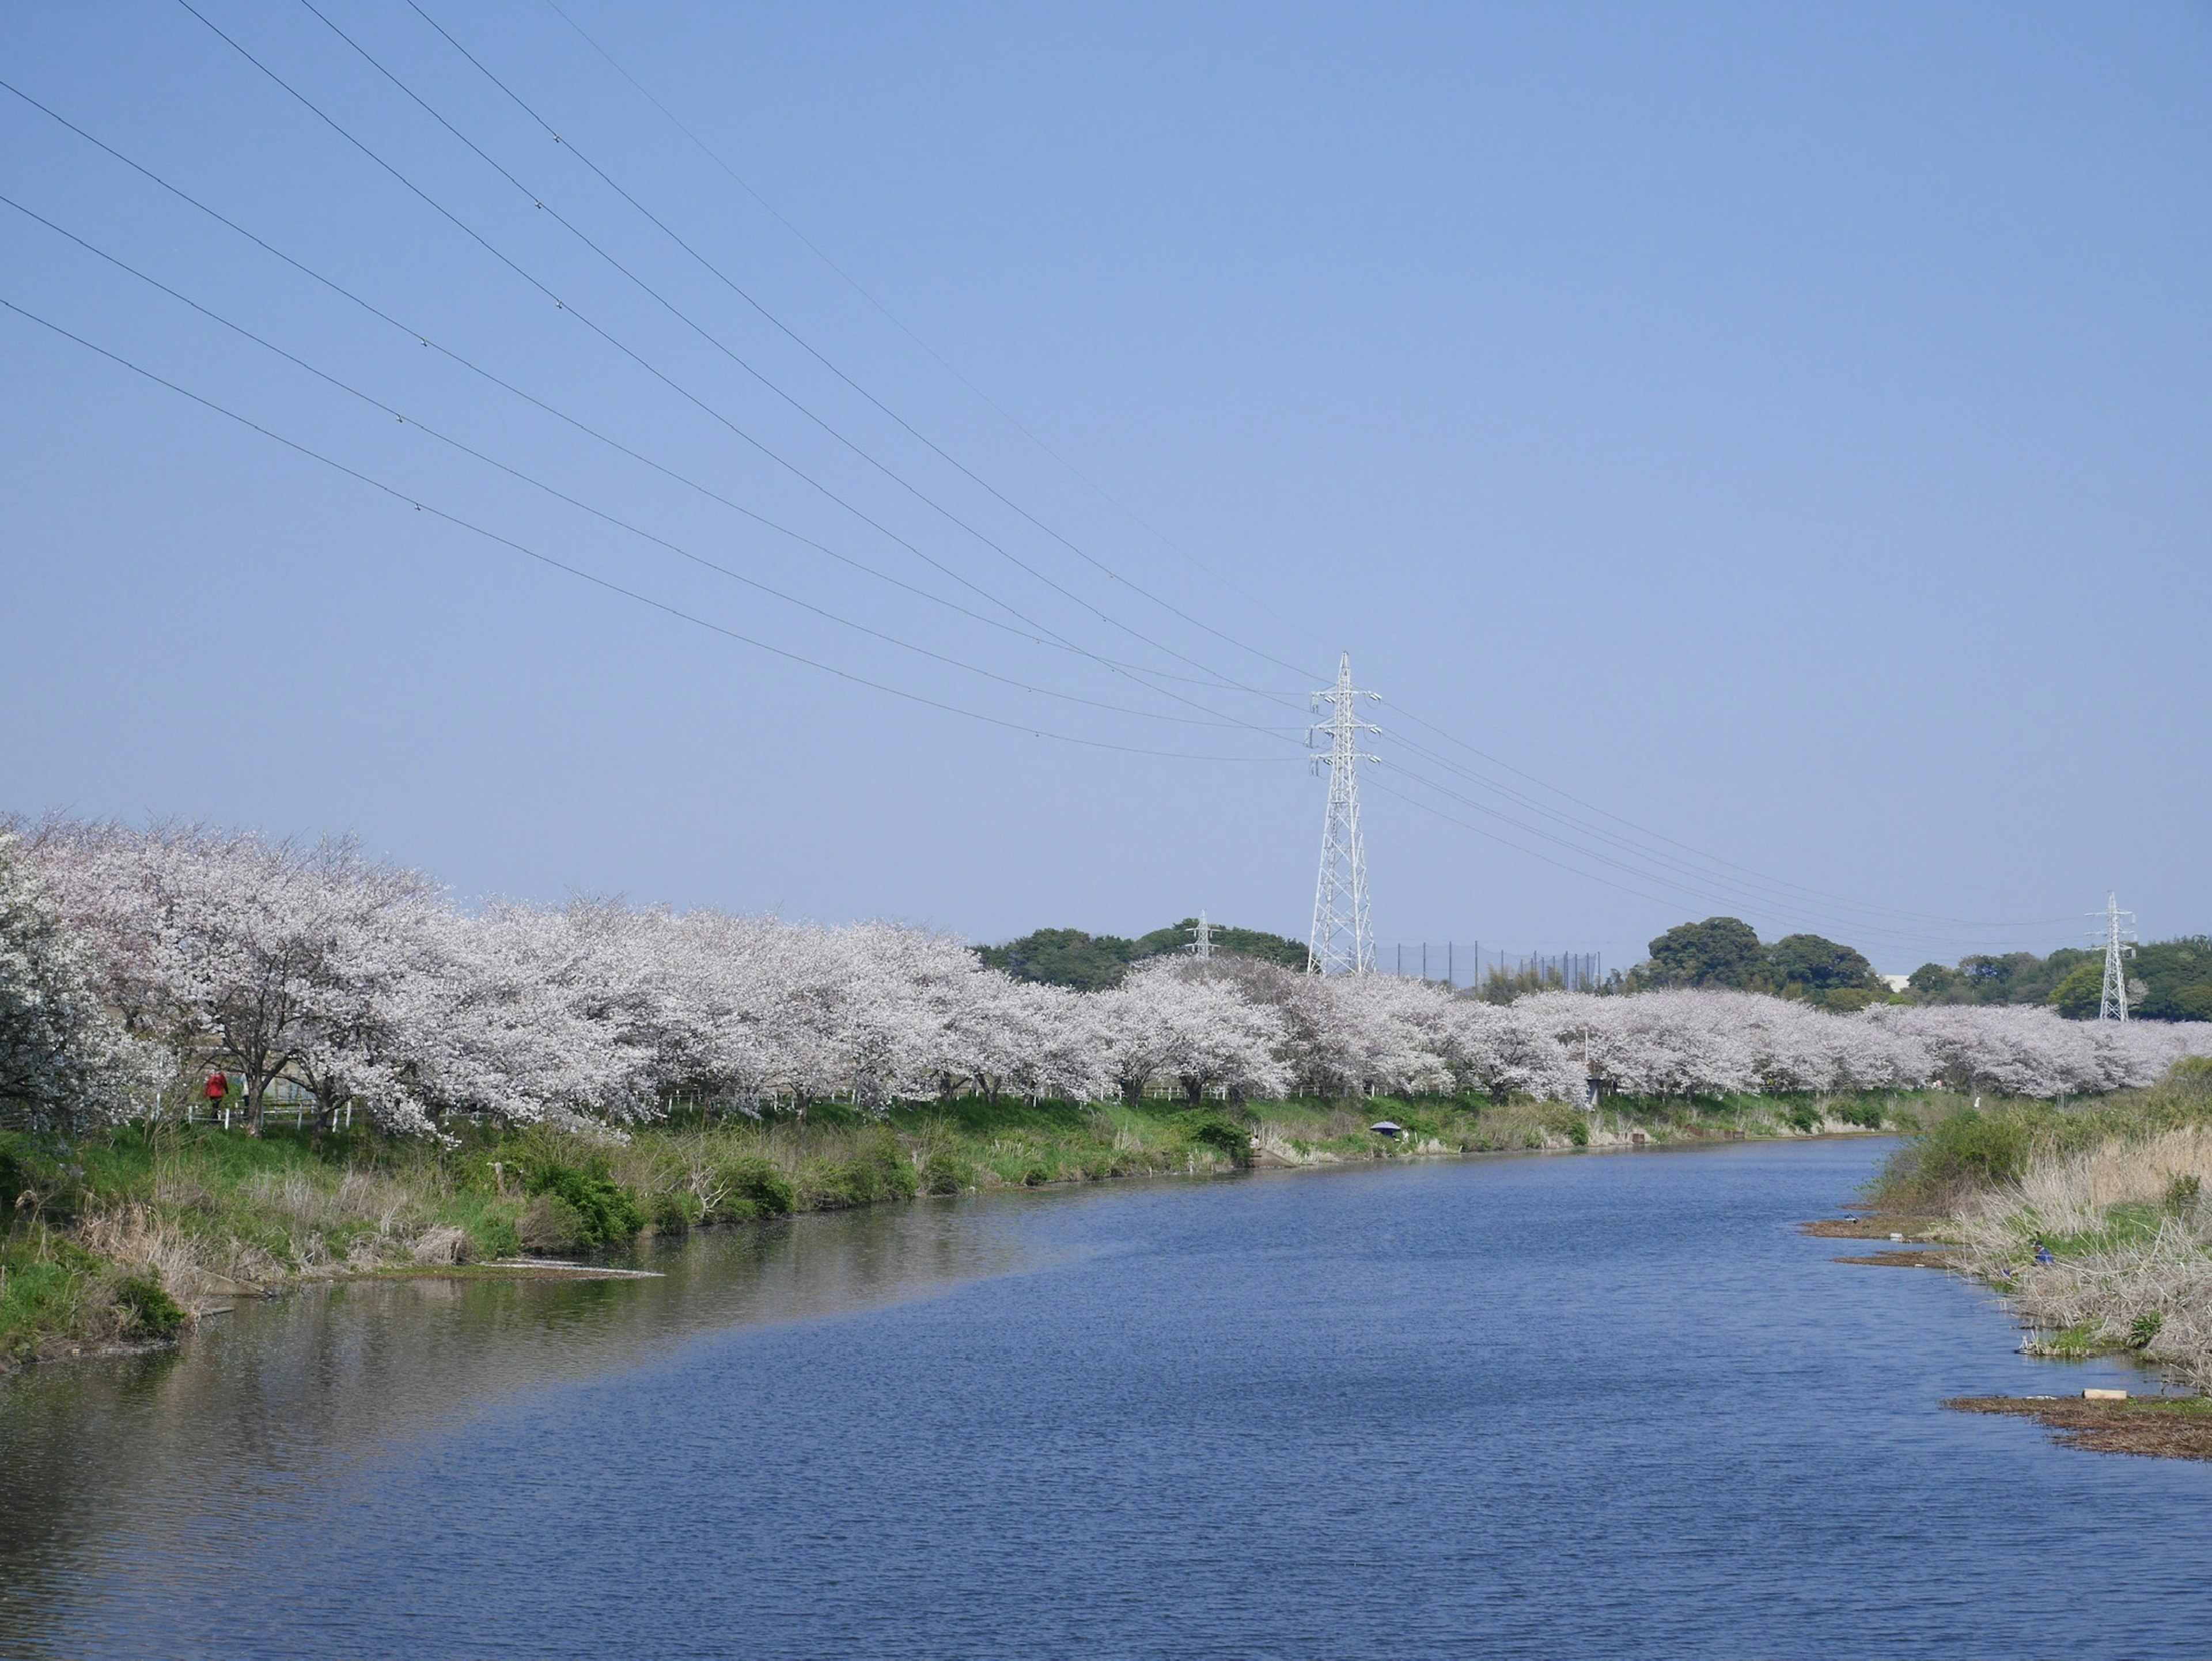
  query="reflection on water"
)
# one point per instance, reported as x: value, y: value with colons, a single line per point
x: 1560, y: 1407
x: 156, y: 1457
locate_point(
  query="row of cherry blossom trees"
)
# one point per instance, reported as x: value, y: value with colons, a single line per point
x: 361, y: 981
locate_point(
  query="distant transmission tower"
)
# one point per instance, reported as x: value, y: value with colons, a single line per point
x: 1343, y: 941
x: 2118, y: 934
x: 1201, y: 937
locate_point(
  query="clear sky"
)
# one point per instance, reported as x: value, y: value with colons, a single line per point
x: 1785, y: 428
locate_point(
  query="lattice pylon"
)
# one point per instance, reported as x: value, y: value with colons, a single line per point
x: 1343, y: 940
x: 2117, y: 935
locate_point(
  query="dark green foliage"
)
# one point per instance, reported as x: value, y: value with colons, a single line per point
x: 605, y: 1216
x: 1090, y: 963
x: 2143, y: 1329
x: 1867, y: 1115
x: 1232, y: 1141
x: 1718, y: 951
x: 676, y: 1210
x: 946, y: 1174
x: 154, y: 1313
x: 1803, y: 1116
x: 1970, y: 1149
x: 1812, y: 967
x: 2081, y: 993
x: 1578, y: 1132
x: 884, y: 1172
x: 2176, y: 977
x: 1278, y: 949
x: 550, y: 1223
x: 2182, y: 1195
x: 1064, y: 956
x: 751, y: 1187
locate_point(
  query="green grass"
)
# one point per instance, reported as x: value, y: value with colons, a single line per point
x: 265, y: 1211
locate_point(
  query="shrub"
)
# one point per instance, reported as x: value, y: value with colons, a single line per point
x: 1232, y: 1141
x: 676, y: 1210
x: 2143, y: 1329
x: 1967, y: 1149
x: 944, y: 1173
x: 1867, y: 1115
x: 1578, y: 1132
x: 550, y: 1223
x: 2182, y: 1195
x: 1803, y: 1116
x: 751, y: 1187
x: 605, y: 1216
x: 881, y: 1173
x: 153, y: 1313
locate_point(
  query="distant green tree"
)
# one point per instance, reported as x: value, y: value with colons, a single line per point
x: 1092, y: 962
x: 1229, y: 942
x: 1822, y: 971
x: 2079, y: 994
x: 1064, y: 956
x: 1718, y: 951
x: 1933, y: 984
x: 2176, y: 977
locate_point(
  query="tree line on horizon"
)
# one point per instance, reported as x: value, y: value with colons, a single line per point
x: 2167, y: 981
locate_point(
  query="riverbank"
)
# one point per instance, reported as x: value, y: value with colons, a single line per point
x: 2092, y: 1221
x: 127, y: 1237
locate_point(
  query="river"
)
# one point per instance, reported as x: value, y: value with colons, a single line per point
x: 1608, y: 1405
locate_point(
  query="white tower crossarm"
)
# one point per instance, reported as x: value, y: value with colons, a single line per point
x: 1343, y: 940
x: 2119, y: 937
x: 1201, y: 937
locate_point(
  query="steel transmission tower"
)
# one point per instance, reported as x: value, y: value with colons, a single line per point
x: 1343, y: 941
x: 2118, y: 936
x: 1201, y: 937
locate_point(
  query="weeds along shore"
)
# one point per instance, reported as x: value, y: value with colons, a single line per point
x: 125, y: 1236
x: 2093, y: 1219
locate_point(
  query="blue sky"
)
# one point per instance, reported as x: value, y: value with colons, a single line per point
x: 1781, y: 429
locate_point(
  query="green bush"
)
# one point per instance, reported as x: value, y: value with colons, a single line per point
x: 2143, y: 1329
x: 676, y: 1210
x: 945, y: 1173
x: 1232, y: 1141
x: 881, y: 1173
x: 154, y: 1313
x: 751, y: 1187
x: 1578, y: 1132
x: 550, y: 1223
x: 1803, y: 1116
x: 605, y: 1216
x: 1967, y: 1149
x: 1867, y: 1115
x: 2182, y: 1195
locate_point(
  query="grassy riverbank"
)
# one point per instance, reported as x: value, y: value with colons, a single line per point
x: 123, y: 1237
x: 2114, y: 1192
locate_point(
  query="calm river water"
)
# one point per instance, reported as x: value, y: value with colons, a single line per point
x: 1599, y: 1406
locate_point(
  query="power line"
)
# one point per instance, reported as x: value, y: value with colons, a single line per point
x: 711, y: 339
x: 746, y: 295
x: 572, y: 421
x: 593, y: 578
x: 938, y: 358
x: 562, y: 495
x: 561, y: 304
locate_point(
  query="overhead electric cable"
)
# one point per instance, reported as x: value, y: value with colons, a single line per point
x: 561, y: 303
x: 707, y: 335
x: 938, y: 358
x: 592, y: 577
x: 804, y: 345
x: 493, y: 379
x: 559, y: 494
